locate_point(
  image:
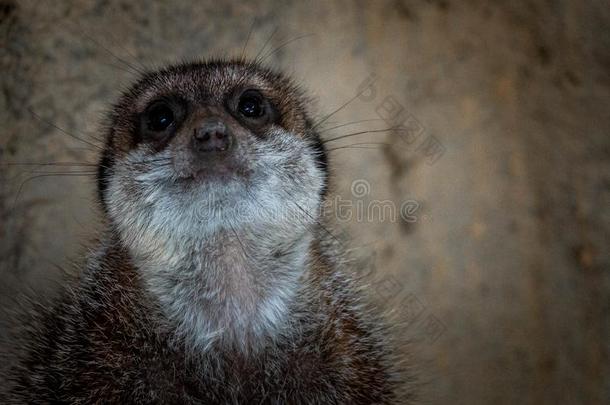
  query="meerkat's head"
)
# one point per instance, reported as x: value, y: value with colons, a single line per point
x: 212, y: 142
x: 206, y: 149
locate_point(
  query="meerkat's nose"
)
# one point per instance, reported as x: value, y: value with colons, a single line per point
x: 212, y: 136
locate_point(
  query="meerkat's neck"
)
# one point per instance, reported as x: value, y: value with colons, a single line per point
x: 231, y: 288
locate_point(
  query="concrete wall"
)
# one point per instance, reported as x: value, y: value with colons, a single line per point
x: 499, y: 265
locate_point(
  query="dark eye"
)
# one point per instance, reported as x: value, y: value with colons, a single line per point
x: 251, y: 104
x: 159, y: 116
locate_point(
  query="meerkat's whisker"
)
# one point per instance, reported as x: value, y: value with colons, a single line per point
x: 76, y: 164
x: 243, y: 50
x: 338, y: 109
x: 371, y: 131
x: 362, y: 145
x: 354, y: 147
x: 51, y: 124
x: 348, y: 124
x: 135, y: 58
x: 282, y: 45
x: 121, y: 68
x: 265, y: 44
x: 133, y: 68
x: 43, y: 175
x: 61, y: 173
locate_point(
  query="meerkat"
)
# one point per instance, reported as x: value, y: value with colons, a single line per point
x: 215, y: 280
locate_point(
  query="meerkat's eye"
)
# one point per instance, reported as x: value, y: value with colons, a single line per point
x: 251, y: 104
x: 159, y: 117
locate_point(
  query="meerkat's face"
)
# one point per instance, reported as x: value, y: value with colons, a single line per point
x: 209, y: 145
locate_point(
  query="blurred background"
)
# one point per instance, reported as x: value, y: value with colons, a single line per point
x: 499, y: 164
